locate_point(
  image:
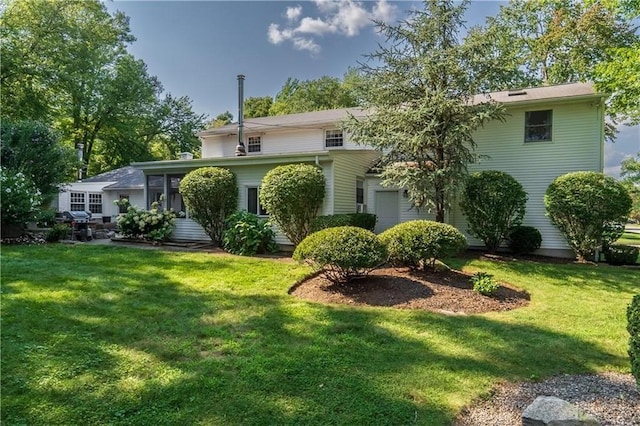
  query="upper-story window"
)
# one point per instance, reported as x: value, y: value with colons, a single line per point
x: 333, y: 138
x: 538, y: 125
x: 253, y: 144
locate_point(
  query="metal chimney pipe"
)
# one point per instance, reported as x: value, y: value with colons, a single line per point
x: 240, y: 150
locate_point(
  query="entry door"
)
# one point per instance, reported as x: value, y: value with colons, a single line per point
x: 387, y: 209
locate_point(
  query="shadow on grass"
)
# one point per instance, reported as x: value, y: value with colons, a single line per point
x: 125, y: 344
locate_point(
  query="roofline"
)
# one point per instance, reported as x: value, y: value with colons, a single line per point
x: 250, y: 160
x: 564, y: 99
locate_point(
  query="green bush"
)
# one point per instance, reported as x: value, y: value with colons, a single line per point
x: 484, y: 284
x: 361, y: 220
x: 20, y: 197
x: 582, y: 204
x: 419, y: 243
x: 493, y: 202
x: 343, y: 253
x: 292, y: 195
x: 57, y: 232
x: 633, y: 327
x: 210, y: 194
x: 524, y: 239
x: 45, y: 218
x: 246, y: 234
x: 154, y: 225
x: 619, y: 254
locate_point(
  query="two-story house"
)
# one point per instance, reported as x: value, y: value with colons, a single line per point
x: 548, y: 131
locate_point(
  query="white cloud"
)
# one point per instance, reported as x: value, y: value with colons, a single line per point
x: 293, y: 13
x: 343, y: 17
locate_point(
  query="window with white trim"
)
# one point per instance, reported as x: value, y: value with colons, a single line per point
x: 174, y: 199
x: 253, y: 201
x: 253, y: 144
x: 77, y: 200
x: 538, y: 125
x: 95, y: 203
x: 333, y: 138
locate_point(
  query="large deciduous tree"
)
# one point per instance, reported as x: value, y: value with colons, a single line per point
x: 66, y: 64
x: 421, y: 86
x: 533, y: 43
x: 311, y: 95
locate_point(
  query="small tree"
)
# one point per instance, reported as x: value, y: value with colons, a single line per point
x: 583, y: 205
x: 292, y: 195
x: 210, y: 194
x: 493, y: 202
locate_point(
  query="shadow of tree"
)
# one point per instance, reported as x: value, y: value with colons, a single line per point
x: 129, y: 344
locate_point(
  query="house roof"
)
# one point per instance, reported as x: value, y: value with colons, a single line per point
x: 543, y: 93
x: 320, y: 119
x: 304, y: 120
x: 124, y: 178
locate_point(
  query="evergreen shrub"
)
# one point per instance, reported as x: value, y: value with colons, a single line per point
x: 420, y: 243
x: 524, y: 239
x: 343, y: 252
x: 360, y: 220
x: 619, y: 254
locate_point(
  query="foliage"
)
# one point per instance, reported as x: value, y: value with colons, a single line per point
x: 361, y: 220
x: 211, y: 195
x: 420, y: 87
x: 581, y: 204
x: 534, y: 43
x: 45, y: 218
x: 343, y: 253
x: 618, y: 254
x: 257, y: 107
x: 493, y: 202
x: 611, y: 233
x: 524, y: 239
x: 630, y: 173
x: 420, y: 243
x: 181, y: 322
x: 155, y: 225
x: 246, y: 234
x: 33, y: 149
x: 633, y: 327
x: 66, y: 64
x: 292, y: 194
x: 20, y: 197
x: 222, y: 119
x: 484, y: 284
x: 311, y: 95
x: 57, y: 232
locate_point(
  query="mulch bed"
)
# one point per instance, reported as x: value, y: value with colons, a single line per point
x: 448, y: 292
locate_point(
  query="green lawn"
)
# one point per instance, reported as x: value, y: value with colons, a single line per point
x: 113, y: 335
x: 629, y: 238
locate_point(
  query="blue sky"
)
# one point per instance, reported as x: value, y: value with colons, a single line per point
x: 197, y: 48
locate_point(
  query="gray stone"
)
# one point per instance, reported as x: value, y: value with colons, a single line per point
x: 552, y: 411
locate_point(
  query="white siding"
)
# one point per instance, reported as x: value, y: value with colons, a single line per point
x: 64, y: 199
x: 576, y: 145
x: 348, y: 167
x: 136, y: 198
x: 273, y: 142
x: 406, y: 211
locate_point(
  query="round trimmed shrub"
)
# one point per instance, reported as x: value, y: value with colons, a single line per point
x: 247, y: 234
x: 343, y: 252
x: 292, y: 195
x: 582, y: 205
x: 419, y: 243
x: 524, y: 239
x: 210, y: 194
x: 493, y: 202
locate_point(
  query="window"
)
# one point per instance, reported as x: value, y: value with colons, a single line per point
x: 174, y: 200
x: 332, y: 138
x: 359, y: 192
x: 77, y: 201
x: 253, y: 202
x: 537, y: 126
x: 95, y: 203
x: 155, y: 188
x: 253, y: 144
x: 123, y: 209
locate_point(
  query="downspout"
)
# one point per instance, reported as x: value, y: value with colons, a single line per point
x: 240, y: 150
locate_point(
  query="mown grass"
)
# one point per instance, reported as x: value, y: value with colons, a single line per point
x: 629, y: 238
x: 112, y: 335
